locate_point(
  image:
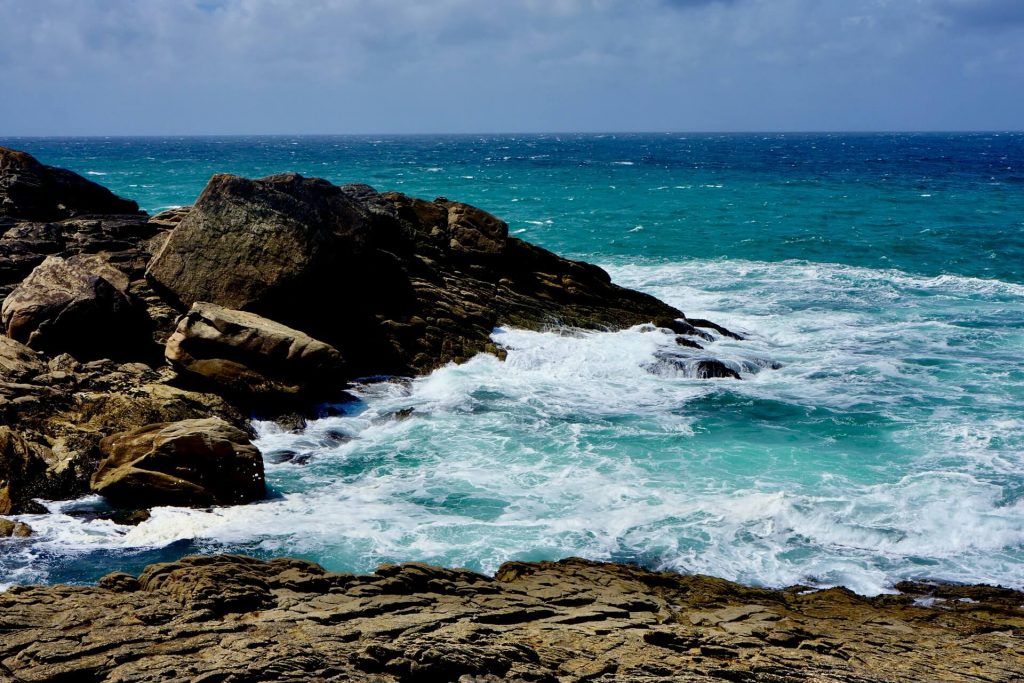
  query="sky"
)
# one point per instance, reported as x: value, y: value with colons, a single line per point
x: 177, y: 67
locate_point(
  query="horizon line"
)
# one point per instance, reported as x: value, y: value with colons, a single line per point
x: 980, y: 131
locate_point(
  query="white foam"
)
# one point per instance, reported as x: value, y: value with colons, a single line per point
x: 894, y: 449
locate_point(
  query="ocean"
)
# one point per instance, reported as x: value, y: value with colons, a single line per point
x: 877, y: 433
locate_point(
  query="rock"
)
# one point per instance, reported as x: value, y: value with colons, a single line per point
x: 711, y: 368
x: 192, y: 462
x: 33, y: 191
x: 700, y: 322
x: 674, y: 365
x: 79, y: 305
x: 18, y: 363
x: 413, y: 284
x: 9, y: 528
x: 24, y: 474
x: 232, y: 618
x: 247, y: 355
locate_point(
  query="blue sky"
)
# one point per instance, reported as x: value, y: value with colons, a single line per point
x: 108, y: 67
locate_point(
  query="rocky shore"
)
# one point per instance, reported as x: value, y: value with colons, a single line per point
x: 136, y: 348
x: 230, y: 618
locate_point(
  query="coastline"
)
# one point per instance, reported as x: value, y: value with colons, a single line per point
x: 233, y: 618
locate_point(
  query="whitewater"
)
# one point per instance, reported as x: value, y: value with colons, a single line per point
x: 876, y: 434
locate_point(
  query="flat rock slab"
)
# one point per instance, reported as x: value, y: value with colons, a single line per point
x: 231, y: 618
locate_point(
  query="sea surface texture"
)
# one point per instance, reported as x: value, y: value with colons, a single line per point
x: 877, y: 433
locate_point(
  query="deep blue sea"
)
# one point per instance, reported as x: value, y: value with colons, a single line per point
x: 883, y: 274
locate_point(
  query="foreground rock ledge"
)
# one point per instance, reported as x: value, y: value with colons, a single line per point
x: 231, y: 618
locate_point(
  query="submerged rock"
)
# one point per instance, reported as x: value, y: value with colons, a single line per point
x: 236, y: 618
x: 192, y: 462
x: 251, y: 356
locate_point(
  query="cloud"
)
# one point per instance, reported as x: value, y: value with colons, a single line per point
x: 158, y: 66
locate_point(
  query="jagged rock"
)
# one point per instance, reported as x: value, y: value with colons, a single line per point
x: 192, y: 462
x: 417, y: 283
x: 235, y: 618
x: 248, y: 355
x: 79, y: 305
x: 33, y: 191
x: 24, y: 474
x: 9, y: 528
x: 18, y: 363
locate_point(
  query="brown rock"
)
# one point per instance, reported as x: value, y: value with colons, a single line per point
x: 24, y: 473
x: 416, y: 284
x: 9, y: 528
x: 248, y: 355
x: 18, y: 363
x: 192, y: 462
x: 79, y: 305
x: 236, y: 618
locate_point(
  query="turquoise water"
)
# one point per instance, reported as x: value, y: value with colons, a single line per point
x: 881, y: 276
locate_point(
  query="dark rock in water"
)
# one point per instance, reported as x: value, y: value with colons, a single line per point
x: 33, y: 191
x: 247, y: 355
x: 672, y: 364
x: 9, y: 528
x: 79, y: 305
x: 700, y: 322
x: 712, y: 369
x: 412, y: 284
x: 193, y: 462
x: 688, y: 343
x: 233, y: 618
x: 682, y: 327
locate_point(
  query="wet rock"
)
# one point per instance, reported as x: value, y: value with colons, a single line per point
x: 192, y: 462
x: 79, y: 305
x: 700, y: 322
x: 674, y: 365
x: 247, y: 355
x: 33, y: 191
x: 12, y: 529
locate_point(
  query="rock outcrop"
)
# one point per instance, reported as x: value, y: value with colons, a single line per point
x: 252, y: 357
x: 192, y: 462
x: 24, y: 473
x: 78, y: 305
x: 297, y: 285
x: 230, y: 618
x: 399, y: 285
x: 33, y: 191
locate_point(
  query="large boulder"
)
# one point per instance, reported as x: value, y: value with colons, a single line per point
x: 247, y: 355
x: 397, y: 284
x: 189, y: 463
x: 33, y: 191
x: 78, y: 305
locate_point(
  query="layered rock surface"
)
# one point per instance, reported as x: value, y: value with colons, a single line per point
x: 229, y: 618
x: 190, y: 462
x: 252, y: 357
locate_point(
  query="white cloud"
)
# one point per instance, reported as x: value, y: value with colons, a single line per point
x: 392, y: 65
